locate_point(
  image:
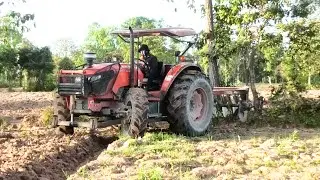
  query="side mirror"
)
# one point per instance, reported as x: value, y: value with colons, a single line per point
x: 177, y: 53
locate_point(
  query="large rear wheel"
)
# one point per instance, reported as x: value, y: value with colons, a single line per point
x: 190, y: 104
x: 135, y: 124
x: 61, y: 113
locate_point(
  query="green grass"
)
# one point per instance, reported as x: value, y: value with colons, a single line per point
x: 153, y: 173
x: 164, y: 156
x: 47, y: 116
x: 3, y: 123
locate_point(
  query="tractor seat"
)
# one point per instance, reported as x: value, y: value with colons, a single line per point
x: 161, y: 69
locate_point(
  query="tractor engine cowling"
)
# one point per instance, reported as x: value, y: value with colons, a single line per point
x: 96, y: 80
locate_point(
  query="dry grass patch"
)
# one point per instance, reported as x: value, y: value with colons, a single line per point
x: 46, y: 116
x: 275, y: 155
x: 3, y: 123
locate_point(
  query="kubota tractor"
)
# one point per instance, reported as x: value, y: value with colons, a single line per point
x: 116, y: 92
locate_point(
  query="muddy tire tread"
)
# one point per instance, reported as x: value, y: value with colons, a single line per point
x: 140, y: 108
x: 62, y: 114
x: 176, y: 106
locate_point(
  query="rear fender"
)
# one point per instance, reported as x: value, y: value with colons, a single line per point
x: 174, y: 72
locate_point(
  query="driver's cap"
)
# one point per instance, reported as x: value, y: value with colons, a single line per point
x: 143, y: 47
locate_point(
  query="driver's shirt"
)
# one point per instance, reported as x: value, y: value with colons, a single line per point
x: 153, y: 65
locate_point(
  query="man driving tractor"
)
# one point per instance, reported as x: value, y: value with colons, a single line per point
x: 152, y: 66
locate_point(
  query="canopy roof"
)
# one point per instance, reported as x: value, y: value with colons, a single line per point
x: 174, y: 32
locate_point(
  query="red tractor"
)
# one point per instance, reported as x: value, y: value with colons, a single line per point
x: 116, y: 93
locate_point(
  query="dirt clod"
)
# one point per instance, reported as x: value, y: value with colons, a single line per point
x: 30, y: 151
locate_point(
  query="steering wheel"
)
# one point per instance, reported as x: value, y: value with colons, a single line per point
x: 144, y: 68
x: 144, y: 62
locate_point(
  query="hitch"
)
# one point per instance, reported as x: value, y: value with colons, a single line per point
x: 72, y: 107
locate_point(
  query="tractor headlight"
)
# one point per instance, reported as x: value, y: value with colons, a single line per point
x: 95, y: 78
x: 77, y: 80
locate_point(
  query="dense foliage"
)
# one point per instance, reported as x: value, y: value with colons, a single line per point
x: 255, y: 41
x: 22, y: 64
x: 108, y: 46
x: 277, y: 41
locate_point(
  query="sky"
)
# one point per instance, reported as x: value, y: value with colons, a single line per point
x: 57, y: 19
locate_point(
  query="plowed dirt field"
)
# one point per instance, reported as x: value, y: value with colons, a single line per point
x: 30, y: 151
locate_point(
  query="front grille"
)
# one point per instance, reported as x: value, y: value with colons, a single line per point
x: 85, y: 85
x: 71, y: 85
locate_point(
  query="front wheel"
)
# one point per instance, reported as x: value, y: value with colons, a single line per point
x: 191, y: 104
x: 61, y: 113
x: 135, y: 124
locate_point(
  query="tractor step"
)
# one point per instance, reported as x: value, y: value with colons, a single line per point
x: 154, y: 96
x: 154, y: 115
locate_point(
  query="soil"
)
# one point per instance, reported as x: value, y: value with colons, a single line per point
x: 40, y: 153
x: 14, y: 106
x: 30, y: 152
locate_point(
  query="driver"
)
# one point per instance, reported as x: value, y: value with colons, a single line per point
x: 152, y: 63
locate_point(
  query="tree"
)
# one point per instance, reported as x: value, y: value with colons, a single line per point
x: 273, y: 52
x: 100, y: 41
x: 164, y: 50
x: 12, y: 26
x: 241, y: 37
x: 301, y: 58
x: 65, y: 63
x: 19, y: 20
x: 77, y: 57
x: 64, y: 47
x: 213, y: 64
x: 8, y: 58
x: 210, y: 50
x: 37, y: 64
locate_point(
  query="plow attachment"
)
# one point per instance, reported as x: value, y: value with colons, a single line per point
x: 232, y: 101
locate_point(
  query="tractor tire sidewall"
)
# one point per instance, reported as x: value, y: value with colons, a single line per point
x: 61, y: 113
x: 138, y: 117
x: 179, y: 97
x: 203, y: 124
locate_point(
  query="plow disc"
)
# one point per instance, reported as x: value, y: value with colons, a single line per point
x: 232, y: 102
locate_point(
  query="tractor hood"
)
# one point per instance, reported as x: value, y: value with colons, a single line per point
x: 95, y: 68
x: 91, y: 80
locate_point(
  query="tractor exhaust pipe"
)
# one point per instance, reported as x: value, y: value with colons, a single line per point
x: 131, y: 58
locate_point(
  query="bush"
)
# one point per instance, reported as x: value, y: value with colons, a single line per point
x: 9, y: 84
x: 50, y: 83
x: 293, y: 111
x: 46, y: 116
x: 32, y: 84
x: 66, y: 64
x: 3, y: 123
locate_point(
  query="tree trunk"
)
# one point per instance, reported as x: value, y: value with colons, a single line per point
x: 245, y: 68
x: 210, y: 72
x: 212, y: 61
x: 238, y: 75
x: 309, y: 79
x: 20, y: 76
x: 6, y: 75
x: 256, y: 102
x: 269, y: 80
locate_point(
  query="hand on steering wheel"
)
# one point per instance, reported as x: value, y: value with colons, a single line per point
x: 144, y: 62
x: 144, y: 68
